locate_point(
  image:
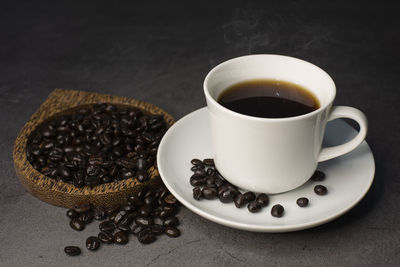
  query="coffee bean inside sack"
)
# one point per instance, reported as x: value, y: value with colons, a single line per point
x: 96, y: 144
x: 209, y: 184
x: 147, y: 214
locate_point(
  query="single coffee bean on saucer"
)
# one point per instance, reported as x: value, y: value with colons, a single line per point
x: 320, y: 190
x: 302, y: 202
x: 72, y: 250
x: 254, y: 207
x: 318, y: 176
x: 92, y: 243
x: 277, y: 210
x: 249, y: 196
x: 197, y: 193
x: 208, y: 162
x: 240, y: 201
x: 196, y: 162
x: 262, y: 199
x: 209, y: 193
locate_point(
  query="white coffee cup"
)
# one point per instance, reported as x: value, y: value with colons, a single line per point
x: 274, y: 155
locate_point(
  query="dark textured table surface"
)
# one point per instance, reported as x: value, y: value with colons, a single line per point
x: 160, y: 53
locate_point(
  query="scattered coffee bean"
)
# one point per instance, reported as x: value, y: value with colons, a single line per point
x: 106, y: 237
x: 208, y: 162
x: 277, y: 210
x: 77, y: 224
x: 302, y: 202
x: 262, y: 200
x: 197, y: 193
x: 107, y: 226
x: 72, y: 214
x: 121, y: 238
x: 172, y: 231
x: 209, y: 193
x: 157, y: 229
x: 254, y: 207
x: 72, y: 250
x: 196, y: 162
x: 146, y: 236
x: 249, y: 196
x: 240, y: 201
x: 320, y: 190
x: 318, y: 176
x: 171, y: 221
x: 92, y: 243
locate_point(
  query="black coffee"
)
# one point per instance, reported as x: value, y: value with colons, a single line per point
x: 268, y: 99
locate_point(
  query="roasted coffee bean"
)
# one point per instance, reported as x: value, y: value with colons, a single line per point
x: 262, y: 199
x: 196, y: 180
x: 72, y: 250
x: 121, y: 238
x: 72, y: 214
x: 249, y: 196
x: 92, y: 243
x: 171, y: 221
x: 119, y: 216
x: 227, y: 196
x: 135, y: 201
x: 210, y: 172
x: 124, y: 227
x: 254, y: 207
x: 318, y: 176
x: 172, y: 231
x: 320, y: 190
x: 196, y: 162
x: 277, y: 210
x: 240, y: 201
x: 200, y: 172
x: 197, y: 194
x: 157, y: 229
x: 136, y: 229
x: 150, y: 200
x: 99, y: 214
x: 107, y: 226
x: 142, y: 192
x: 77, y: 224
x: 146, y: 236
x: 86, y: 217
x: 129, y: 218
x: 145, y: 210
x: 195, y: 167
x: 82, y: 207
x: 302, y: 202
x: 209, y: 193
x: 170, y: 200
x: 144, y: 221
x: 142, y: 176
x: 106, y: 237
x: 218, y: 182
x: 63, y: 172
x: 208, y: 162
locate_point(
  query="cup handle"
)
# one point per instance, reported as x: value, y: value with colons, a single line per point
x: 351, y: 113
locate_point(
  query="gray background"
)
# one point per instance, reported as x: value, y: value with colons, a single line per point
x: 160, y: 52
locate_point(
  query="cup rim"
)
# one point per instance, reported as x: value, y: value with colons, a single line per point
x: 248, y: 117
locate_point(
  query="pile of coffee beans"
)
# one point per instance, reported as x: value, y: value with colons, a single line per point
x: 209, y: 184
x: 96, y: 144
x: 148, y: 213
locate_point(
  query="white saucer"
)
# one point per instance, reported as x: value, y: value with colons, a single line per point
x: 348, y: 178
